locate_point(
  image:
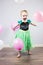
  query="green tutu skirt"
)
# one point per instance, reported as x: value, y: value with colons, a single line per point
x: 25, y: 36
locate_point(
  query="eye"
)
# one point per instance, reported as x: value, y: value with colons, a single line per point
x: 24, y: 15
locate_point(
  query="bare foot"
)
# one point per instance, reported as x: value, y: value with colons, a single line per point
x: 19, y: 55
x: 29, y: 53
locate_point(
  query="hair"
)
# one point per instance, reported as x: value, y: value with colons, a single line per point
x: 23, y: 11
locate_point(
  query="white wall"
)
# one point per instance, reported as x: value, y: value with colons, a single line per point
x: 9, y: 12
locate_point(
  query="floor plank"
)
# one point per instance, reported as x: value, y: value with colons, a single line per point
x: 8, y: 57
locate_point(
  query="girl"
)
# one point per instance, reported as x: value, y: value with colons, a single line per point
x: 24, y: 32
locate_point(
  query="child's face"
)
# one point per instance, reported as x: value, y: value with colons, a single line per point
x: 24, y: 15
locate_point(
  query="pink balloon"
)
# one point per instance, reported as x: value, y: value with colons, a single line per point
x: 38, y: 16
x: 1, y: 29
x: 18, y: 44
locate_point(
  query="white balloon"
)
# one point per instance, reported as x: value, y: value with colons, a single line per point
x: 1, y: 44
x: 19, y: 1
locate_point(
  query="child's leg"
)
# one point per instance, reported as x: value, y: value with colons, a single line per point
x: 19, y: 54
x: 29, y: 52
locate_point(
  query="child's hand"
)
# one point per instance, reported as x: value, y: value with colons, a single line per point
x: 16, y: 28
x: 13, y: 29
x: 35, y: 25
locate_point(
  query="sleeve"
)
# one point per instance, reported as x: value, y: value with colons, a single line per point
x: 29, y: 21
x: 20, y: 21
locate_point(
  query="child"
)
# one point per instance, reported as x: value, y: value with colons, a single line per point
x: 24, y: 32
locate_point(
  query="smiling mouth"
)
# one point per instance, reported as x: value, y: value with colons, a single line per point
x: 24, y: 18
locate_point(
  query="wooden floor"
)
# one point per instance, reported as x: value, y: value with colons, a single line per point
x: 8, y: 57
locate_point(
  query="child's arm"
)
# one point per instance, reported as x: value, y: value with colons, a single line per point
x: 16, y: 27
x: 33, y: 24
